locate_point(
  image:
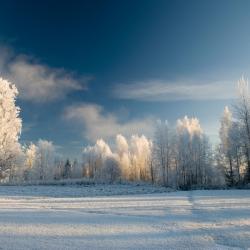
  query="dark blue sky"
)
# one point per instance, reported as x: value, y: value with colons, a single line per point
x: 140, y: 61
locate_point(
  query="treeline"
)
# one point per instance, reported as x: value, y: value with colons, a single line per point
x: 178, y: 156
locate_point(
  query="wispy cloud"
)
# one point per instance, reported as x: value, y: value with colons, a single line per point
x: 157, y: 90
x: 27, y: 126
x: 99, y: 124
x: 38, y: 82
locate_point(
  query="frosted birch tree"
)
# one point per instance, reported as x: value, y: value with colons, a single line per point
x: 140, y: 151
x: 10, y: 128
x: 193, y: 154
x: 242, y: 115
x: 45, y: 160
x: 226, y: 145
x: 163, y: 150
x: 30, y: 161
x: 123, y: 154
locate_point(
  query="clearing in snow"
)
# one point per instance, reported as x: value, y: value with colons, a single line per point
x: 47, y: 217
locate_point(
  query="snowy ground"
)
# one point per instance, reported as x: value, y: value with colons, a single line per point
x: 32, y: 218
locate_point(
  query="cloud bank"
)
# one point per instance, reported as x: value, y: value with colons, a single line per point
x: 38, y: 82
x: 156, y: 90
x: 99, y: 124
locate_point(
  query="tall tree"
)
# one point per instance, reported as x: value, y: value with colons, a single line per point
x: 10, y: 128
x: 162, y: 150
x: 193, y: 154
x: 226, y: 145
x: 242, y: 112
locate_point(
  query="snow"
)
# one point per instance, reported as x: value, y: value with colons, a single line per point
x: 64, y: 217
x: 64, y: 189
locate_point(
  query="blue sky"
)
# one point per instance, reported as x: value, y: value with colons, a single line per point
x: 88, y: 69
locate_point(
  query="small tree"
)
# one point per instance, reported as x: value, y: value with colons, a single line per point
x: 76, y: 170
x: 45, y: 159
x: 112, y: 171
x: 30, y: 161
x: 67, y: 170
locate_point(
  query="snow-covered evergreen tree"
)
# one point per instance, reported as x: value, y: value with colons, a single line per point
x: 67, y: 173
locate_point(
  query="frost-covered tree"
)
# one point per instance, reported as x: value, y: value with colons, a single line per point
x: 194, y: 158
x: 123, y: 155
x: 163, y: 150
x: 58, y: 168
x: 130, y: 161
x: 111, y: 171
x: 76, y: 170
x: 242, y: 116
x: 30, y: 161
x: 94, y: 158
x: 188, y: 134
x: 41, y: 162
x: 237, y: 151
x: 234, y: 149
x: 10, y: 128
x: 30, y: 154
x: 226, y: 145
x: 45, y: 160
x: 140, y: 151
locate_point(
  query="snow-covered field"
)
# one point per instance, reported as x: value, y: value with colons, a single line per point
x: 45, y: 217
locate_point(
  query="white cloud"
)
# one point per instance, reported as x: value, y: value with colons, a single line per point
x: 98, y: 124
x: 27, y: 126
x: 156, y: 90
x: 35, y: 81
